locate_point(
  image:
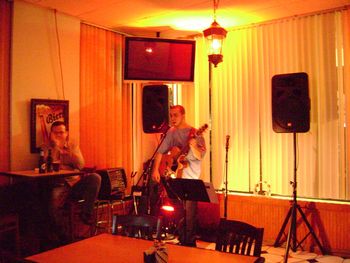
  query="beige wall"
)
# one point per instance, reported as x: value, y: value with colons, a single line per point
x: 36, y: 73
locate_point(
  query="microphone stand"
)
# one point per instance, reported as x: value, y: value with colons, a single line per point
x: 226, y: 183
x: 147, y: 171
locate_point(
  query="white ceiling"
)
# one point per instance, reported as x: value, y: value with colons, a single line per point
x: 181, y: 18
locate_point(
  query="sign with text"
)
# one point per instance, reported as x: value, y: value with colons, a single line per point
x: 43, y: 114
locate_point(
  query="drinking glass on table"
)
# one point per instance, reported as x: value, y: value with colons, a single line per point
x: 56, y: 166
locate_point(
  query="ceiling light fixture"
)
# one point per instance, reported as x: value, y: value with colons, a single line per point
x: 214, y: 37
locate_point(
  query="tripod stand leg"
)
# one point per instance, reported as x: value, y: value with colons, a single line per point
x: 292, y: 233
x: 277, y: 242
x: 288, y: 244
x: 293, y: 223
x: 311, y: 230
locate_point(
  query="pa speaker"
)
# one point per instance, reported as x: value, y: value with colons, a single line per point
x: 290, y: 103
x: 154, y: 108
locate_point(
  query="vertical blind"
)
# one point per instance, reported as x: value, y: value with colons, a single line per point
x: 241, y: 106
x: 346, y: 68
x: 105, y: 103
x: 5, y: 43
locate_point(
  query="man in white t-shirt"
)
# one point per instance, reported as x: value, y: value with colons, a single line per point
x: 181, y: 139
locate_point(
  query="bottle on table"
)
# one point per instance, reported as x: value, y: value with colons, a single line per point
x: 49, y: 161
x: 41, y: 163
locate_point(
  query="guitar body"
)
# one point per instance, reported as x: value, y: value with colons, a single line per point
x: 168, y: 162
x: 173, y: 163
x: 182, y: 163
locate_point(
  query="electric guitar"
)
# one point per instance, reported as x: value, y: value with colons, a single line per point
x: 173, y: 163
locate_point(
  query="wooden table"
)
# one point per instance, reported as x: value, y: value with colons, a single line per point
x: 110, y: 248
x: 31, y: 192
x: 33, y: 174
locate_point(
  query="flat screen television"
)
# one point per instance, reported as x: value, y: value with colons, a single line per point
x: 159, y: 59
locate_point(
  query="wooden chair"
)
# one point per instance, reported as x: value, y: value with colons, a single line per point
x: 9, y: 225
x: 239, y: 238
x: 139, y: 226
x: 112, y: 192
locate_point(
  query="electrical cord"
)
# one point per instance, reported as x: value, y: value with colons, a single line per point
x: 59, y: 54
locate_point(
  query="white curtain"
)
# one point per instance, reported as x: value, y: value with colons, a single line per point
x: 346, y: 61
x: 241, y: 106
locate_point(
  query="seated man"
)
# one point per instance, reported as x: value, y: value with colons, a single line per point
x: 70, y: 188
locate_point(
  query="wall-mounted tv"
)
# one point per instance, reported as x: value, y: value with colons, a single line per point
x: 159, y: 59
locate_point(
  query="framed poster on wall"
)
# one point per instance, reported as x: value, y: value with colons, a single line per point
x: 43, y: 113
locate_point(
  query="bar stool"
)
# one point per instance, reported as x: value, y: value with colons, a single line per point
x: 9, y: 225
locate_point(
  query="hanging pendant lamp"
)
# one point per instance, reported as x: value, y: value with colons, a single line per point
x: 214, y: 36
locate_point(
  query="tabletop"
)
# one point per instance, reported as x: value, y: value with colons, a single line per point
x: 114, y: 248
x: 35, y: 174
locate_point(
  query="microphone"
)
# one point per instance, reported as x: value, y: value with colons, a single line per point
x: 227, y: 141
x: 163, y: 128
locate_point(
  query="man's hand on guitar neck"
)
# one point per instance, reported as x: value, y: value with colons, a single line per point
x: 196, y: 149
x: 196, y: 142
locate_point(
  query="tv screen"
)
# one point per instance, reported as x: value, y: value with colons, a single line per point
x: 159, y: 59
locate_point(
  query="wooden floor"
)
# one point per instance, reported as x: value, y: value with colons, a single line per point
x: 330, y: 221
x: 276, y: 255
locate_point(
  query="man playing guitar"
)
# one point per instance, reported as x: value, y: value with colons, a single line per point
x: 181, y: 142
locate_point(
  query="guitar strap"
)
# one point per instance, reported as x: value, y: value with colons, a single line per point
x: 186, y: 147
x: 192, y: 133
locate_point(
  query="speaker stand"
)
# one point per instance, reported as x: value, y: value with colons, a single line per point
x: 292, y: 216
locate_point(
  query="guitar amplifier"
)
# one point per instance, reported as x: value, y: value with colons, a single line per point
x: 113, y: 183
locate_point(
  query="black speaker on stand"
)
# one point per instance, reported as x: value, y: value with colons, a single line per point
x: 155, y: 119
x: 291, y: 114
x: 290, y: 103
x: 155, y: 108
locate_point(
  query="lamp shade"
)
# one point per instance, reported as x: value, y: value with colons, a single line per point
x: 214, y: 36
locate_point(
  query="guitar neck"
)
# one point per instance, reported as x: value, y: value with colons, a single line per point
x: 192, y: 135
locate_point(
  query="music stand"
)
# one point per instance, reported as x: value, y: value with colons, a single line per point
x: 186, y: 190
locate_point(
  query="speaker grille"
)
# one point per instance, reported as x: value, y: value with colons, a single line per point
x: 290, y: 103
x: 154, y: 108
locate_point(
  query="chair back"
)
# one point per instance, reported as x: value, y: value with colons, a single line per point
x: 113, y: 183
x: 239, y: 238
x: 139, y: 226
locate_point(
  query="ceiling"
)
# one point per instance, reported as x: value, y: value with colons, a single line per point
x: 181, y: 18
